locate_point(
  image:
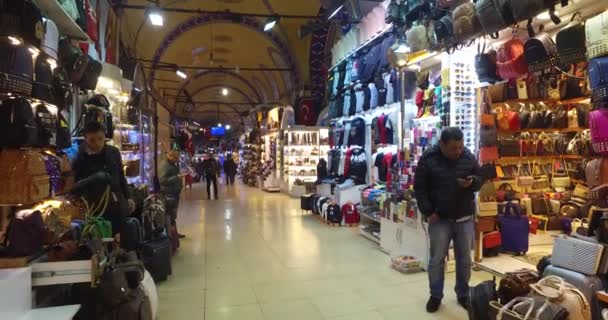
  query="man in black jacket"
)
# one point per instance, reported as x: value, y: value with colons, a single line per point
x: 447, y: 177
x: 94, y: 156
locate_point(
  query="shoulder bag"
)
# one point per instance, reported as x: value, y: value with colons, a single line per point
x: 556, y: 290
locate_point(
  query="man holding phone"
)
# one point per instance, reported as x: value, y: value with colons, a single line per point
x: 447, y: 177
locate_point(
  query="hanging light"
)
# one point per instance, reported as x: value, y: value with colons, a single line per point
x: 219, y: 124
x: 156, y: 17
x: 225, y: 92
x: 270, y: 23
x: 180, y: 73
x: 15, y: 41
x: 227, y: 127
x: 335, y: 8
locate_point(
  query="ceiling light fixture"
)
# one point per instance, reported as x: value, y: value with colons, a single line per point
x: 156, y: 17
x: 15, y: 41
x: 227, y: 127
x: 181, y: 74
x: 225, y: 92
x: 335, y: 8
x: 270, y: 23
x: 219, y: 124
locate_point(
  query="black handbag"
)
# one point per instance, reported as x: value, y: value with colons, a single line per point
x: 485, y: 65
x: 488, y: 171
x: 18, y: 126
x: 43, y: 78
x: 488, y: 136
x: 524, y: 118
x: 73, y: 60
x: 559, y: 118
x: 91, y: 75
x: 509, y: 147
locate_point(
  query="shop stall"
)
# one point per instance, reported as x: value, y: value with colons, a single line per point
x: 270, y: 176
x: 303, y: 148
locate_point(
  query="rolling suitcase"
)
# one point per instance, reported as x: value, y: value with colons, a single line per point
x: 305, y: 202
x: 588, y: 285
x: 156, y: 255
x: 514, y: 229
x: 132, y: 236
x: 577, y: 255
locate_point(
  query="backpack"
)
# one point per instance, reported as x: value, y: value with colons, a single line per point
x: 540, y: 53
x: 511, y: 60
x: 47, y: 126
x: 22, y: 18
x: 485, y: 65
x: 570, y: 42
x: 334, y: 214
x: 72, y: 59
x: 17, y: 124
x: 524, y: 10
x: 43, y: 77
x: 350, y: 213
x: 596, y: 31
x: 17, y: 69
x: 598, y: 72
x: 491, y: 16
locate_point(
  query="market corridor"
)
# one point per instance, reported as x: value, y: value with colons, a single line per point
x: 251, y: 255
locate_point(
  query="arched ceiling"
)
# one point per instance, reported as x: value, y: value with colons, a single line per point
x: 187, y: 38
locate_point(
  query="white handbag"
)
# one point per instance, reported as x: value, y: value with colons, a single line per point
x: 577, y: 255
x: 556, y: 290
x: 596, y: 32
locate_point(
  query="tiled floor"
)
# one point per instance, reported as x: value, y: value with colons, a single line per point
x: 252, y: 255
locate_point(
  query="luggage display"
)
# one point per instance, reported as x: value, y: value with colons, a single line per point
x: 334, y: 213
x: 137, y: 307
x: 577, y: 255
x: 24, y: 177
x: 156, y: 255
x: 588, y: 285
x: 514, y: 229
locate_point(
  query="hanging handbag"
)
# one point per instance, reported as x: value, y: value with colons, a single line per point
x: 488, y: 136
x: 488, y: 171
x: 505, y: 193
x: 488, y: 154
x: 487, y: 119
x: 485, y: 65
x: 509, y: 147
x: 598, y: 122
x: 511, y: 61
x: 501, y: 119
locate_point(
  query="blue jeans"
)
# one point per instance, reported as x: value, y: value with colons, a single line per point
x: 440, y: 234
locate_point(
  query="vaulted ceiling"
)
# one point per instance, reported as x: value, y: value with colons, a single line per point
x: 240, y: 49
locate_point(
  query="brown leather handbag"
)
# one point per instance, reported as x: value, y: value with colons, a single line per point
x: 516, y: 284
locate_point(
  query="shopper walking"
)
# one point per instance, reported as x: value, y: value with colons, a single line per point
x: 211, y: 168
x: 447, y: 176
x: 95, y: 156
x: 230, y: 170
x: 171, y: 186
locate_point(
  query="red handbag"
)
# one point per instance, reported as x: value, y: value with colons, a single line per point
x: 514, y: 121
x: 511, y: 60
x: 488, y: 154
x: 492, y: 240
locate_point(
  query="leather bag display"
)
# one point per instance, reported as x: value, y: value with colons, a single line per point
x: 73, y: 60
x: 524, y: 10
x: 516, y: 284
x: 511, y: 60
x: 43, y: 79
x: 577, y: 255
x: 555, y: 289
x: 514, y: 229
x: 490, y: 15
x: 571, y: 43
x: 540, y: 52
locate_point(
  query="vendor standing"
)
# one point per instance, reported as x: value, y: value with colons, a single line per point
x: 171, y: 186
x: 95, y: 156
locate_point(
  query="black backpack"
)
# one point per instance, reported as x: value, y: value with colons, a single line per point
x: 96, y: 110
x: 17, y: 124
x: 47, y: 126
x: 21, y: 18
x: 485, y: 65
x: 321, y: 170
x: 334, y: 214
x: 479, y: 300
x: 62, y: 88
x: 17, y: 69
x: 43, y: 79
x: 91, y: 75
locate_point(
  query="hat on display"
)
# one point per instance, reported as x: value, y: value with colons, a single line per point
x: 570, y: 41
x: 596, y: 32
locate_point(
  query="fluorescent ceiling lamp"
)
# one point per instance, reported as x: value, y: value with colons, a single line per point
x: 156, y: 17
x: 196, y: 123
x: 224, y: 92
x: 181, y: 74
x: 270, y: 23
x: 335, y: 12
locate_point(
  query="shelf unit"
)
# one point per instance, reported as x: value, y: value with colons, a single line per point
x: 65, y: 24
x: 293, y: 140
x: 363, y: 45
x: 547, y: 101
x: 564, y: 130
x: 566, y: 157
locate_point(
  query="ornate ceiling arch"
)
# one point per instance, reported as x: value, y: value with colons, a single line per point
x: 227, y: 86
x: 204, y: 73
x: 247, y: 22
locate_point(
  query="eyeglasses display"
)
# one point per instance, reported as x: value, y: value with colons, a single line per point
x: 463, y: 98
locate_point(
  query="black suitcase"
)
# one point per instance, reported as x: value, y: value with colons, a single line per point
x: 156, y: 255
x: 305, y: 202
x: 132, y: 237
